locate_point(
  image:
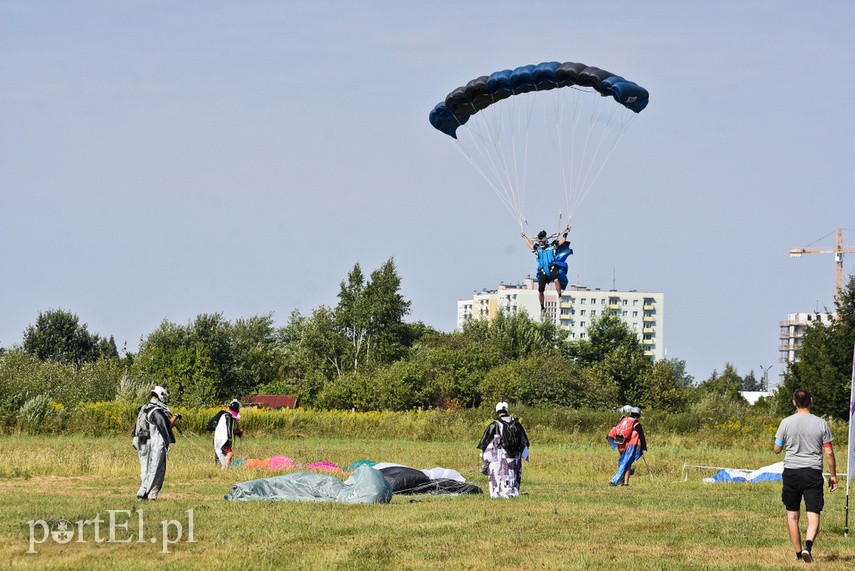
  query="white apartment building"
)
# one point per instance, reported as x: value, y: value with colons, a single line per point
x: 643, y: 312
x: 792, y: 333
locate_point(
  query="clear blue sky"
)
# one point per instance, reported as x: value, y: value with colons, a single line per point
x: 164, y: 159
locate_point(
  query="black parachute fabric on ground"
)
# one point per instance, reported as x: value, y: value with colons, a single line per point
x: 405, y: 481
x: 449, y: 486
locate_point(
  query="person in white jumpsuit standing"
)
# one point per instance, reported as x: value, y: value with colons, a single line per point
x: 152, y: 437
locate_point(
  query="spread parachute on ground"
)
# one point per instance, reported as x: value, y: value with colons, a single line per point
x: 552, y: 125
x: 365, y: 486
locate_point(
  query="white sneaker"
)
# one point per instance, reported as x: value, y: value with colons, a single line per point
x: 806, y: 556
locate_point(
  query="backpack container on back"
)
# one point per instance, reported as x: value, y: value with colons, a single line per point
x: 511, y: 437
x: 623, y: 429
x: 141, y: 427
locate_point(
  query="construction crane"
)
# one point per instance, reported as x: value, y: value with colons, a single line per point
x: 838, y: 251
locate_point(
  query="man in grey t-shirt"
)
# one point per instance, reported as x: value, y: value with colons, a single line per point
x: 805, y: 437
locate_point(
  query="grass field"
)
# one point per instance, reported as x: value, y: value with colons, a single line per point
x: 567, y: 518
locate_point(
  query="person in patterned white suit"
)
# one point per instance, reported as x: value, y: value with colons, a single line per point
x: 503, y: 447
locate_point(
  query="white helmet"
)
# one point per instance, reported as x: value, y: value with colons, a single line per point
x: 160, y: 393
x: 502, y: 406
x: 635, y: 411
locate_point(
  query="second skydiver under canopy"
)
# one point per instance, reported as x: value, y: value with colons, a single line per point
x: 551, y: 261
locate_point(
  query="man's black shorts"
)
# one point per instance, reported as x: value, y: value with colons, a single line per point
x: 803, y: 482
x: 543, y: 279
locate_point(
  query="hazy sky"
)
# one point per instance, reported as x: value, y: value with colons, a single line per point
x: 164, y: 159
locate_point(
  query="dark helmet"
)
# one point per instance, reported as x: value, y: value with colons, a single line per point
x: 235, y: 405
x: 541, y: 235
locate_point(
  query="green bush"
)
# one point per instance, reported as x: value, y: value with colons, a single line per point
x: 23, y: 376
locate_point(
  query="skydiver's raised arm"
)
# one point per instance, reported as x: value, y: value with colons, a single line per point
x: 527, y: 241
x: 563, y: 238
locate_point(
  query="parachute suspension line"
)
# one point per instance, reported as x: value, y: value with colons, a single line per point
x: 567, y: 156
x: 514, y: 174
x: 503, y: 198
x: 582, y: 177
x: 485, y: 140
x: 499, y: 152
x: 566, y: 179
x: 525, y: 129
x: 615, y: 132
x: 585, y: 169
x: 483, y: 148
x: 556, y: 107
x: 577, y: 162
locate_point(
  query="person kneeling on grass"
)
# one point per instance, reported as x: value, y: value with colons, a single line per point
x: 226, y: 427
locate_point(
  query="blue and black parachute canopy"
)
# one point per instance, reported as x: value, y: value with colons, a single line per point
x: 481, y: 92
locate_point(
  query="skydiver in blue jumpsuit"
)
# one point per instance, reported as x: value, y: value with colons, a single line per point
x: 551, y: 264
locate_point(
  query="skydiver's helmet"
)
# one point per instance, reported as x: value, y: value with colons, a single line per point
x: 502, y: 407
x: 635, y: 412
x: 160, y: 393
x: 235, y: 405
x: 541, y: 236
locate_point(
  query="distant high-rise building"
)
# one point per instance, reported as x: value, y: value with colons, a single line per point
x: 643, y: 312
x: 792, y: 332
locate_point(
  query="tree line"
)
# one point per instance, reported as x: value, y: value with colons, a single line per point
x: 361, y: 354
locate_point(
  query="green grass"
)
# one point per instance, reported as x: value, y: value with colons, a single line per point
x: 567, y: 518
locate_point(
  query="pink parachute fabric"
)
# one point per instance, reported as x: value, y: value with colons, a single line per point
x: 284, y: 463
x: 280, y: 463
x: 327, y: 467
